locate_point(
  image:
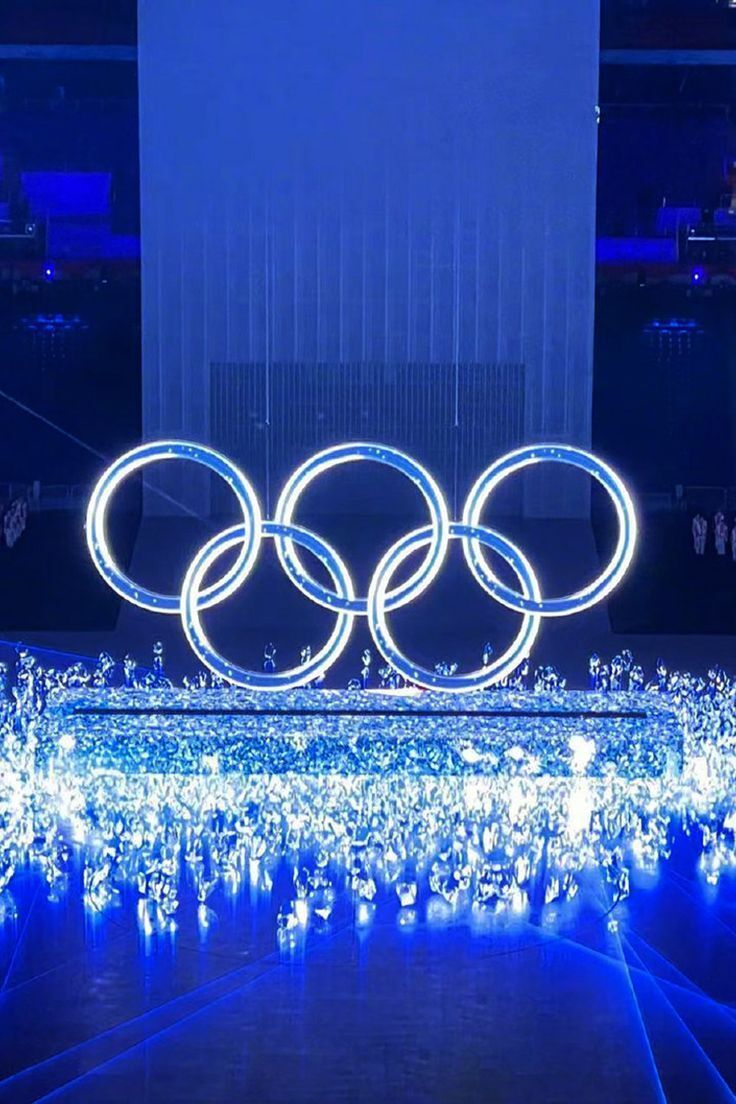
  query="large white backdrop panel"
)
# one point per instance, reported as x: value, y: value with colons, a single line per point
x: 345, y: 182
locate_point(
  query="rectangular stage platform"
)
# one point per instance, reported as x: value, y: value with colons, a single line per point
x: 363, y: 732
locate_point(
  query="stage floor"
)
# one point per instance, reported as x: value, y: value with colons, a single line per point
x: 594, y: 1002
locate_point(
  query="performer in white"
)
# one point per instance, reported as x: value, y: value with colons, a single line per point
x: 721, y: 534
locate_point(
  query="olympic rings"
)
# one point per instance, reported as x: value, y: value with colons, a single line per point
x: 617, y: 566
x: 260, y: 680
x: 137, y: 458
x: 342, y: 600
x: 321, y: 462
x: 433, y: 680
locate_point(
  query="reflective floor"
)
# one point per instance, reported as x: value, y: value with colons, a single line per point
x: 630, y: 1002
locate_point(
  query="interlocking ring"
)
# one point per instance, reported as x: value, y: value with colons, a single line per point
x: 381, y: 600
x: 133, y: 461
x: 611, y: 575
x: 241, y: 676
x: 321, y: 462
x: 434, y: 680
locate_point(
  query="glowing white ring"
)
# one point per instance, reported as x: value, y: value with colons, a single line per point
x: 133, y: 461
x: 321, y: 462
x: 517, y: 651
x: 191, y: 606
x: 611, y: 575
x: 195, y: 597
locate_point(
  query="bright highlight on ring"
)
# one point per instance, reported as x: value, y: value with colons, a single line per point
x: 133, y: 461
x: 381, y: 599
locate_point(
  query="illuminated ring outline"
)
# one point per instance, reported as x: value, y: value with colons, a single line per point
x: 133, y: 461
x: 611, y: 575
x: 191, y: 606
x: 517, y: 651
x: 321, y: 462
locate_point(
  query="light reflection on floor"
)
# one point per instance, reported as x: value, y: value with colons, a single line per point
x: 301, y: 938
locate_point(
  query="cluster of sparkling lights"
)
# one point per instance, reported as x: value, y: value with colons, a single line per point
x: 438, y: 847
x: 476, y: 538
x: 160, y: 730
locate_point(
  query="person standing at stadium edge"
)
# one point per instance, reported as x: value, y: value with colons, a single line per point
x: 700, y: 531
x: 721, y: 534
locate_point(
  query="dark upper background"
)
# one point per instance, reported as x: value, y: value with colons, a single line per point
x: 665, y: 351
x: 667, y: 165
